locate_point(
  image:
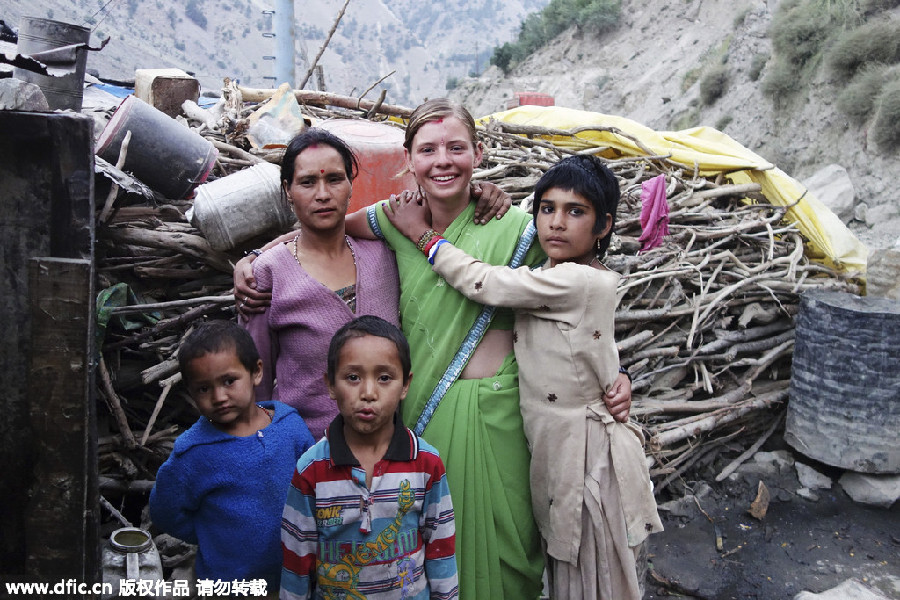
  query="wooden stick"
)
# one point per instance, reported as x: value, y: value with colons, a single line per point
x: 116, y: 514
x: 733, y: 465
x: 183, y: 243
x: 328, y: 99
x: 159, y: 371
x: 150, y: 307
x: 717, y: 419
x: 235, y: 151
x: 116, y: 405
x: 114, y: 187
x: 108, y: 484
x: 167, y: 387
x: 334, y: 26
x: 164, y: 325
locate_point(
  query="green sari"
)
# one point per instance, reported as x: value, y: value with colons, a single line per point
x: 477, y: 427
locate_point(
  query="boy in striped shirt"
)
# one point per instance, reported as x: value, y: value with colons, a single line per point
x: 368, y: 513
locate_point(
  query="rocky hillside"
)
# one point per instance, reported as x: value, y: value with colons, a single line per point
x: 424, y: 44
x: 649, y: 69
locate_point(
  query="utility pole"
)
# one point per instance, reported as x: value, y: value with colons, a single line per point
x: 477, y: 70
x: 283, y: 22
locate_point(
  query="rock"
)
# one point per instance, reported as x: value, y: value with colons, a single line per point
x: 861, y: 213
x: 16, y: 94
x: 879, y: 490
x: 833, y: 187
x: 851, y: 589
x: 812, y: 479
x: 685, y: 506
x: 883, y: 273
x: 781, y: 460
x: 808, y: 494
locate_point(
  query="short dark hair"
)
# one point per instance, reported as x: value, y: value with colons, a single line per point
x: 210, y: 337
x: 587, y: 176
x: 312, y: 137
x: 363, y: 326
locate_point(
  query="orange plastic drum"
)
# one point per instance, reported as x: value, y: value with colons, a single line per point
x: 379, y: 148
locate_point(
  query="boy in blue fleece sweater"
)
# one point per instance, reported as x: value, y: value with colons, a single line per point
x: 224, y: 485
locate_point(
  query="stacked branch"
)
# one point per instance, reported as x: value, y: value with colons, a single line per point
x: 704, y: 322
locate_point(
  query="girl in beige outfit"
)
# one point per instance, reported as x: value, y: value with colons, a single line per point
x: 591, y: 492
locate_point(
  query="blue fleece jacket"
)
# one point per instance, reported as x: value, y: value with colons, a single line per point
x: 226, y: 494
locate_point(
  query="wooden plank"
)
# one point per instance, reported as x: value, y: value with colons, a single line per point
x: 63, y: 422
x: 46, y: 208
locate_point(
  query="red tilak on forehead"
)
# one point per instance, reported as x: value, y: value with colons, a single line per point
x: 321, y: 170
x: 439, y: 121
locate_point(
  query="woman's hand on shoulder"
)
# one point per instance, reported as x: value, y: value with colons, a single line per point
x: 490, y: 201
x: 409, y: 213
x: 618, y: 399
x: 247, y: 299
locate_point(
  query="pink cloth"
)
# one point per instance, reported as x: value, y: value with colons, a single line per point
x: 654, y: 213
x: 294, y: 333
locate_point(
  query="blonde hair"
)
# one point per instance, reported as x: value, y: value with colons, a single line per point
x: 435, y: 110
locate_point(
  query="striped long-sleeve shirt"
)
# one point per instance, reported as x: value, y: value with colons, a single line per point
x: 342, y: 539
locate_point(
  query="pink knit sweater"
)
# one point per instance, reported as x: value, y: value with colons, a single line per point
x: 293, y: 334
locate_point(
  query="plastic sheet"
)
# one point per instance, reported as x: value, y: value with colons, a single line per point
x: 707, y: 152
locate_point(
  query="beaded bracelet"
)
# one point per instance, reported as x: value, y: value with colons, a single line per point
x: 624, y: 371
x: 426, y: 237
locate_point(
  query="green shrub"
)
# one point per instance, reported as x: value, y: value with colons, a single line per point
x: 452, y: 83
x: 713, y: 84
x: 875, y: 42
x: 741, y: 17
x: 599, y: 15
x: 885, y: 129
x: 690, y: 78
x: 688, y: 118
x: 858, y: 99
x: 798, y: 32
x: 192, y: 11
x: 757, y: 64
x: 724, y: 122
x: 781, y: 81
x: 869, y: 7
x: 539, y: 28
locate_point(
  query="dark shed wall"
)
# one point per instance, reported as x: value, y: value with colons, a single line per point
x: 46, y: 209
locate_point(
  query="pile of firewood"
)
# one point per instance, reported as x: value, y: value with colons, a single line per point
x: 704, y: 322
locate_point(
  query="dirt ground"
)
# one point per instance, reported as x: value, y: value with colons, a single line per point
x: 800, y: 544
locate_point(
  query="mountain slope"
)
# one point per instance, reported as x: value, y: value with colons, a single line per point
x: 424, y: 44
x: 650, y: 70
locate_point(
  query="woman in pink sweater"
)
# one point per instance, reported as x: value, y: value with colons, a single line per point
x: 319, y: 279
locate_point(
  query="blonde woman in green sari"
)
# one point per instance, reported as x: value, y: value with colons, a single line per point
x: 466, y: 399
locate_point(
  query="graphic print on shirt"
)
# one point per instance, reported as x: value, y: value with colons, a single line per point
x: 340, y: 580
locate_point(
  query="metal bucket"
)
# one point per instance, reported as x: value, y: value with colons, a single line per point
x: 169, y: 157
x: 244, y: 204
x: 63, y: 48
x: 844, y: 407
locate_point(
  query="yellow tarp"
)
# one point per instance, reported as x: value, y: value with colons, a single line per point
x: 709, y: 152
